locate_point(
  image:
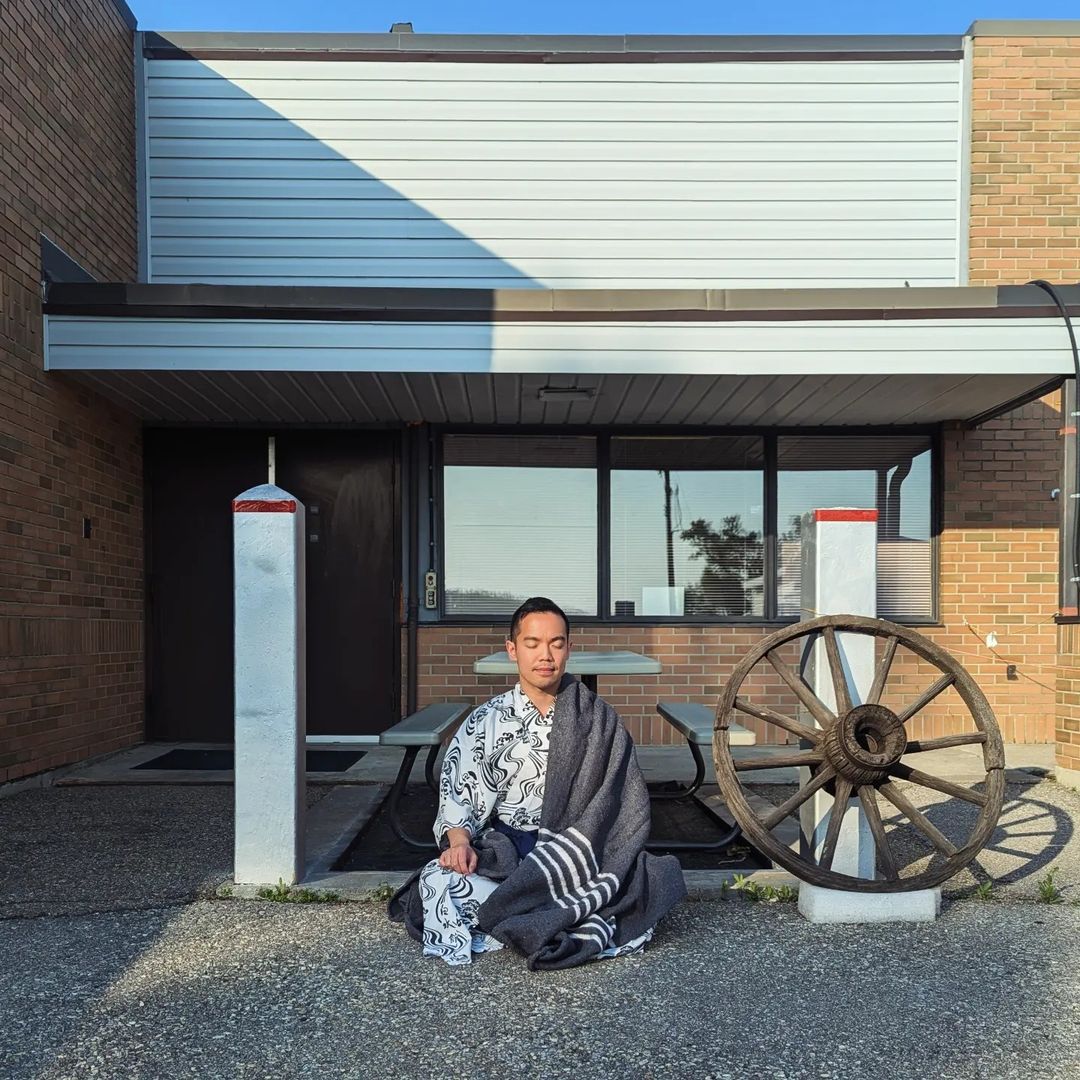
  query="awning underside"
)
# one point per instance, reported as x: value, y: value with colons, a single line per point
x: 798, y: 358
x: 249, y: 397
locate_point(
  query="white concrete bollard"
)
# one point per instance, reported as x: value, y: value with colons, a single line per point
x: 839, y: 577
x: 270, y: 727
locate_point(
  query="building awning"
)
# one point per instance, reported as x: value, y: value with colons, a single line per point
x: 785, y: 357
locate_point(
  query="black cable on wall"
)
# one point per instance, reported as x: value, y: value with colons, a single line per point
x: 1074, y: 496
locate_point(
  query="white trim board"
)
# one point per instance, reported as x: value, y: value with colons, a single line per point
x: 968, y: 346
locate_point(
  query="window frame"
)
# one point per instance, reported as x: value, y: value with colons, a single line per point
x: 769, y: 437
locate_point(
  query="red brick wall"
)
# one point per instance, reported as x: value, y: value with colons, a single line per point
x: 71, y: 629
x: 1025, y: 190
x: 999, y: 560
x: 1025, y: 217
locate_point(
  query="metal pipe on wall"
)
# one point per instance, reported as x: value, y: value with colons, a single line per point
x: 412, y: 581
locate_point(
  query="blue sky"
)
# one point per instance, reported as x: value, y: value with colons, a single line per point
x: 563, y: 17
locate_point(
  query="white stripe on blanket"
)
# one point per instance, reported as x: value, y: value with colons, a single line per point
x: 565, y: 862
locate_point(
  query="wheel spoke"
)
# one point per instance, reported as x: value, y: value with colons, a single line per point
x: 918, y: 818
x: 780, y: 761
x: 836, y: 819
x: 915, y: 776
x: 926, y: 697
x: 800, y: 796
x: 918, y: 746
x: 877, y: 827
x: 810, y: 701
x: 760, y: 712
x: 836, y: 670
x: 882, y: 673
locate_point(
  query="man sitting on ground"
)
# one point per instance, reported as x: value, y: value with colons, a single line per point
x: 542, y: 822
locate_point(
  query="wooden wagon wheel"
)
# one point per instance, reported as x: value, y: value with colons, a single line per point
x: 854, y: 752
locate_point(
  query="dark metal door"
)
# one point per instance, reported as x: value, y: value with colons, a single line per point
x: 346, y: 480
x: 191, y: 479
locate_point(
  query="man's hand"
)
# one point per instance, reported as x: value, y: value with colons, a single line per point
x: 460, y: 855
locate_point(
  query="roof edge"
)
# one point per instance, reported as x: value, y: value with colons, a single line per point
x: 136, y: 300
x: 554, y: 47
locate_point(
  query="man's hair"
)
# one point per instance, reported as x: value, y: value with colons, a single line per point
x: 533, y: 605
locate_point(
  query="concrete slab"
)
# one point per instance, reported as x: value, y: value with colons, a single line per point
x: 335, y: 821
x: 658, y: 763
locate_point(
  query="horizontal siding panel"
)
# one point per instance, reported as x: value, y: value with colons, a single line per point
x: 428, y: 278
x: 816, y: 172
x: 673, y: 268
x: 493, y: 191
x: 452, y: 247
x: 209, y: 234
x: 444, y: 212
x: 986, y: 347
x: 535, y: 172
x: 554, y: 112
x: 272, y: 126
x: 796, y: 72
x: 215, y: 88
x: 365, y: 151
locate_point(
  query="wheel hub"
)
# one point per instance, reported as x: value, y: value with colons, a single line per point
x: 865, y: 743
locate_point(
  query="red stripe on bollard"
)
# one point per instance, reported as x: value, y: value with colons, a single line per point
x: 845, y: 515
x: 264, y: 506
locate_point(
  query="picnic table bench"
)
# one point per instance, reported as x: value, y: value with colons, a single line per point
x: 695, y: 722
x: 426, y: 727
x: 429, y: 727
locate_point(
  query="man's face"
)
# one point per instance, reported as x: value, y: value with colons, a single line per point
x: 540, y: 649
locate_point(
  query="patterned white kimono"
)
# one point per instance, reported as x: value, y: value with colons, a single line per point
x: 494, y: 767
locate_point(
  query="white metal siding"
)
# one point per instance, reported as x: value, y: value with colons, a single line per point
x: 557, y: 176
x: 975, y: 347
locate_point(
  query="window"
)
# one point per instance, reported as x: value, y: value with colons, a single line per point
x: 665, y: 527
x: 687, y: 526
x: 520, y: 515
x: 890, y: 474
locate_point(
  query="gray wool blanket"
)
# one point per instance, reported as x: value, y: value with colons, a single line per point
x: 588, y: 883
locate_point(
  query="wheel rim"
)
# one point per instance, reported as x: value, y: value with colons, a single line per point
x: 855, y: 751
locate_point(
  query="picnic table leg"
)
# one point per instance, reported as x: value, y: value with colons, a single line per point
x: 733, y: 834
x: 429, y: 768
x: 395, y: 801
x: 733, y: 831
x: 682, y: 792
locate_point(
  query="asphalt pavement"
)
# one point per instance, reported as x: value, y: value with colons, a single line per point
x: 118, y: 961
x: 727, y: 989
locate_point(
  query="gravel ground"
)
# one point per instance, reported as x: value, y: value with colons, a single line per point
x: 1038, y: 831
x: 732, y: 989
x: 116, y: 968
x: 83, y: 849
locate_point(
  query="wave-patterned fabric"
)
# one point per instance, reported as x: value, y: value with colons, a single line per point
x: 451, y: 901
x: 588, y: 888
x: 495, y: 766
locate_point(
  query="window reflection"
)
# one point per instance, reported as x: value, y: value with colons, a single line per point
x: 687, y: 536
x: 891, y: 474
x: 520, y: 519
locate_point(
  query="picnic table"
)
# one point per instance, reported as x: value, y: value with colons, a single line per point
x: 588, y: 665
